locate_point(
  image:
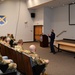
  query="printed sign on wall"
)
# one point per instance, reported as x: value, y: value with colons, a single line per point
x: 2, y: 20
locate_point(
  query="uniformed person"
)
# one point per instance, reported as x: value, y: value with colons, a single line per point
x: 38, y: 64
x: 19, y: 46
x: 6, y: 65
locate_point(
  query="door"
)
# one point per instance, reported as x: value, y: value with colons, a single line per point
x: 37, y: 32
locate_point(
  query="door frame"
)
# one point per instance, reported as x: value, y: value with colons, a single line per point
x: 34, y: 31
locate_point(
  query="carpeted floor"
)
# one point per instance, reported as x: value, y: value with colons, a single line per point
x: 61, y: 63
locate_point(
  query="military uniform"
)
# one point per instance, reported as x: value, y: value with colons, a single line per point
x: 35, y: 57
x: 5, y: 65
x: 19, y: 48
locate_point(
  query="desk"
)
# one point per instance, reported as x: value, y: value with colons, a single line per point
x: 66, y: 46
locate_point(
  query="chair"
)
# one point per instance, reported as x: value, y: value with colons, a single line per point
x: 9, y: 73
x: 20, y: 63
x: 27, y: 65
x: 4, y: 67
x: 38, y: 69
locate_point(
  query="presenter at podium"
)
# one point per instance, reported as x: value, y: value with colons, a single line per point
x: 52, y: 37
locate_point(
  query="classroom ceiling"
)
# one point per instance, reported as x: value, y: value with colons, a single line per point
x: 53, y: 3
x: 56, y: 3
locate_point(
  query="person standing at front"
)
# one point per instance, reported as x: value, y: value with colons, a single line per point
x: 52, y: 37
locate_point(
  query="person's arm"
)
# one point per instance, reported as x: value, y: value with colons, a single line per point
x: 49, y: 35
x: 32, y: 62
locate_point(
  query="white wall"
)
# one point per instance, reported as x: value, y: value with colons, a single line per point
x: 19, y: 21
x: 25, y: 24
x: 60, y: 22
x: 21, y: 24
x: 43, y: 16
x: 10, y: 10
x: 47, y: 20
x: 39, y: 16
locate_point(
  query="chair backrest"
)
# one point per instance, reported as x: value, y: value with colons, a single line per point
x: 22, y: 60
x: 20, y: 63
x: 3, y: 67
x: 10, y: 73
x: 2, y: 50
x: 27, y: 64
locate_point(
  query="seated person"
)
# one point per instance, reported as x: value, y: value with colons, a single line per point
x: 38, y: 64
x: 4, y: 41
x: 32, y: 52
x: 11, y: 42
x: 8, y: 37
x: 19, y: 46
x: 7, y: 65
x: 12, y: 37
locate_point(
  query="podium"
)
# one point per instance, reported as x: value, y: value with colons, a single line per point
x: 44, y: 41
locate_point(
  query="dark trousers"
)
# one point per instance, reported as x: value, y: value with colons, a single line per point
x: 37, y: 69
x: 52, y: 46
x: 3, y: 67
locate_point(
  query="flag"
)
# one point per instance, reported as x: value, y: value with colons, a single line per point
x: 2, y: 20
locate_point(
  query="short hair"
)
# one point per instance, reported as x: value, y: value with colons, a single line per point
x: 20, y: 41
x: 32, y: 48
x: 52, y: 30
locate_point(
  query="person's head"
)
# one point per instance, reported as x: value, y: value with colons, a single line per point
x: 52, y: 30
x: 32, y: 48
x: 12, y: 36
x: 4, y: 39
x: 20, y: 42
x: 8, y: 35
x: 1, y: 38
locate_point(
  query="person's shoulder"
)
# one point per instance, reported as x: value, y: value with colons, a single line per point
x: 26, y: 51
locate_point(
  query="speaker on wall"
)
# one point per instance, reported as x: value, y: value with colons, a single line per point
x: 32, y: 15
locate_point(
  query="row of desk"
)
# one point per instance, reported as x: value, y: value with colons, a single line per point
x: 22, y: 60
